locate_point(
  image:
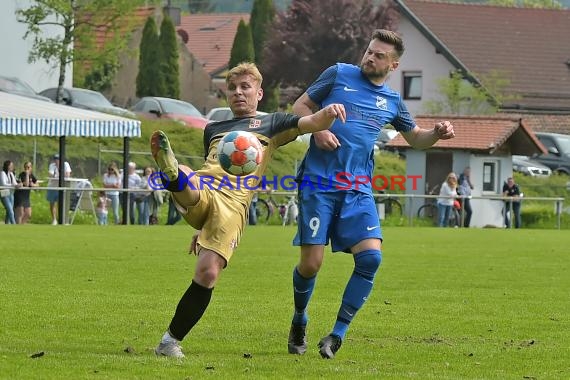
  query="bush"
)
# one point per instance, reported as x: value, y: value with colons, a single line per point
x: 534, y: 215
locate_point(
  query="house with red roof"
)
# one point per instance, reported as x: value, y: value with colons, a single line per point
x: 483, y: 143
x: 209, y: 37
x: 528, y: 46
x: 477, y: 39
x: 195, y: 83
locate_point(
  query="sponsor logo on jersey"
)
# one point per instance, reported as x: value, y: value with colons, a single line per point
x: 254, y: 123
x: 381, y: 103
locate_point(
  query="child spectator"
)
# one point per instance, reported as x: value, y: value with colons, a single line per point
x: 101, y: 208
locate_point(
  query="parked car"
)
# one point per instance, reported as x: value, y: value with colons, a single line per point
x: 220, y: 114
x: 87, y: 99
x: 165, y: 108
x: 13, y: 85
x: 224, y: 113
x: 527, y: 166
x: 558, y: 156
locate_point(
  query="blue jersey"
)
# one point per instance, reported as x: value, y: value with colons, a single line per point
x: 368, y: 108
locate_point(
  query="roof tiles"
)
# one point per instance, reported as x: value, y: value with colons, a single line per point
x: 476, y: 133
x: 531, y: 46
x: 211, y: 36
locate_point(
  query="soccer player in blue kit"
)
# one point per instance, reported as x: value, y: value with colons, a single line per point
x: 336, y: 207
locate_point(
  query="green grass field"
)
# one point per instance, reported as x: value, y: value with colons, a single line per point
x: 448, y: 304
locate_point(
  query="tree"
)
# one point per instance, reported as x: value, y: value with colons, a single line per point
x: 101, y: 77
x: 262, y: 15
x: 150, y: 81
x: 461, y: 97
x: 270, y: 100
x: 242, y: 48
x: 546, y: 4
x: 76, y: 19
x: 314, y: 34
x: 169, y: 59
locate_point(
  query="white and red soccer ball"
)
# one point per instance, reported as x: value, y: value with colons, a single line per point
x: 239, y: 153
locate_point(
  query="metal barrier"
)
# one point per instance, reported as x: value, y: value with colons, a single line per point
x: 67, y: 191
x: 408, y: 207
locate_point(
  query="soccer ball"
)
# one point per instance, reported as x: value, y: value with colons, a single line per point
x: 239, y: 153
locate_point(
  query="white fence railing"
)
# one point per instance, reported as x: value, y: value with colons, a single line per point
x: 409, y: 203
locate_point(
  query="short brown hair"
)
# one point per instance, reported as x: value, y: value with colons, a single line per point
x: 391, y: 38
x: 245, y: 68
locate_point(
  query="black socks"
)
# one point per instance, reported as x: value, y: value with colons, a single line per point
x: 177, y: 185
x: 190, y: 309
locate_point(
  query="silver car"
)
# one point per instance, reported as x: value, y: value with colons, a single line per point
x: 527, y: 166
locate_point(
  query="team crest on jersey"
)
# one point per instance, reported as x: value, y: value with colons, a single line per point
x: 254, y: 123
x: 381, y: 103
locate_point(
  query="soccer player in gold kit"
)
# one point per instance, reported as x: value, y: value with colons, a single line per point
x: 219, y: 213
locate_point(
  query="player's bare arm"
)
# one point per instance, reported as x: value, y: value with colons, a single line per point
x: 420, y: 138
x: 325, y: 140
x: 322, y: 119
x: 304, y: 106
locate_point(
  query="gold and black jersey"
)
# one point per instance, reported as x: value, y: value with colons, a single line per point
x: 273, y: 130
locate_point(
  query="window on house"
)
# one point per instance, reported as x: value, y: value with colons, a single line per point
x: 490, y: 176
x: 412, y: 85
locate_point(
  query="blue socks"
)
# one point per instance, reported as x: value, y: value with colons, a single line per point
x: 302, y: 291
x: 366, y: 263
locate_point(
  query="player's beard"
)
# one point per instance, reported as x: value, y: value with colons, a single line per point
x: 374, y: 74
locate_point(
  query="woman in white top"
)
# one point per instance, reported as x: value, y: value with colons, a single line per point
x: 111, y: 181
x: 447, y: 195
x: 8, y: 179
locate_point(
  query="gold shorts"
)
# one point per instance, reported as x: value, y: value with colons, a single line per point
x: 221, y: 220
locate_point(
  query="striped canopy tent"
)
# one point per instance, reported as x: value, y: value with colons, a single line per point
x: 23, y: 116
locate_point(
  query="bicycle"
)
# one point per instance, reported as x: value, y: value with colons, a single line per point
x: 288, y: 212
x: 392, y: 205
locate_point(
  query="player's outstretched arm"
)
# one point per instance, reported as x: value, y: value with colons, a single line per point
x: 322, y: 119
x: 420, y: 138
x: 325, y: 139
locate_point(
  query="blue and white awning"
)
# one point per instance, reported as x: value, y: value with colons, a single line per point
x: 30, y: 117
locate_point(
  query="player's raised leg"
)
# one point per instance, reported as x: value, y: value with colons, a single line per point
x: 174, y: 177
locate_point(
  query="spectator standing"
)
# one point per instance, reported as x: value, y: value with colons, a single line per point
x: 53, y: 195
x: 8, y: 179
x: 134, y: 184
x: 513, y: 205
x: 101, y: 208
x: 112, y: 181
x: 447, y: 195
x: 464, y: 189
x: 22, y: 205
x: 156, y: 200
x: 173, y: 214
x: 252, y: 219
x: 145, y: 199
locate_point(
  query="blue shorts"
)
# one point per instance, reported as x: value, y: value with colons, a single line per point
x: 344, y: 217
x: 52, y: 196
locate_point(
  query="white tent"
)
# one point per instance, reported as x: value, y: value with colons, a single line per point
x: 30, y: 117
